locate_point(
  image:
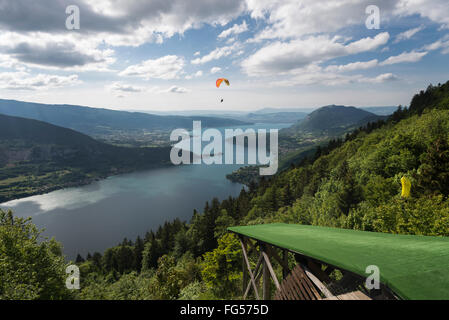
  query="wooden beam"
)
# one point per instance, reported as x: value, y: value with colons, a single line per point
x: 249, y: 270
x: 257, y: 273
x: 270, y: 269
x: 266, y: 282
x: 283, y: 262
x: 245, y: 271
x: 285, y: 268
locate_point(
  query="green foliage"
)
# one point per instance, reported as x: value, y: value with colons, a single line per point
x: 221, y: 268
x: 171, y: 277
x: 29, y: 268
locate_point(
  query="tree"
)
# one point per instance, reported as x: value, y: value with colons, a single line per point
x: 139, y: 246
x: 221, y: 269
x: 433, y: 175
x: 79, y: 259
x: 30, y: 267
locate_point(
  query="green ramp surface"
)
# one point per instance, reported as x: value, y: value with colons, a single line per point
x: 414, y: 267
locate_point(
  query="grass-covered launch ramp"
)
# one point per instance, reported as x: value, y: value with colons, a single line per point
x: 414, y: 267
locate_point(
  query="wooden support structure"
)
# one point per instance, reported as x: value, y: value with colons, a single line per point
x: 304, y: 282
x: 267, y: 272
x: 253, y: 281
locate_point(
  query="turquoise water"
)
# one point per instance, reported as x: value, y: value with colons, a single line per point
x: 97, y: 216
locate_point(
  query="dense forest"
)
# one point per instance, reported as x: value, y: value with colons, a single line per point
x: 350, y: 183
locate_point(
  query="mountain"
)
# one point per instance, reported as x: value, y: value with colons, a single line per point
x: 333, y: 120
x: 37, y: 157
x: 94, y: 121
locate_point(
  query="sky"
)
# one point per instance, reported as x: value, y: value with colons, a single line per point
x: 166, y: 55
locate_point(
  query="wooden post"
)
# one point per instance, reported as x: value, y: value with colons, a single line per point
x: 285, y: 260
x: 245, y: 270
x: 266, y: 284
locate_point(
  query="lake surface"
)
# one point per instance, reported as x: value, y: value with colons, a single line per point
x: 100, y: 215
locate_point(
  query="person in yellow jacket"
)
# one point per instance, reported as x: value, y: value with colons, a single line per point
x: 406, y: 187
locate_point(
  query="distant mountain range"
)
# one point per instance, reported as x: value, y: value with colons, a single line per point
x: 94, y: 121
x: 269, y: 115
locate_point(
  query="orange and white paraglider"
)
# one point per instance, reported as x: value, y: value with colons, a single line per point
x: 220, y: 81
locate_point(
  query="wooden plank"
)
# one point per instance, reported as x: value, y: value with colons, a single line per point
x: 306, y: 283
x: 355, y: 295
x: 295, y: 288
x: 318, y: 283
x: 299, y: 286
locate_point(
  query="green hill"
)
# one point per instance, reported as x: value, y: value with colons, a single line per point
x: 333, y: 119
x: 37, y: 157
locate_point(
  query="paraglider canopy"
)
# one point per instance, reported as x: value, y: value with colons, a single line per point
x: 220, y: 81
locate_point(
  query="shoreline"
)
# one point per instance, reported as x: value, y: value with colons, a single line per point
x: 75, y: 184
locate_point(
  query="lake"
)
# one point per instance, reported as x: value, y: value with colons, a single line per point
x: 100, y: 215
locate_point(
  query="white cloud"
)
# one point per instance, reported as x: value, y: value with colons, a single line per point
x: 294, y: 19
x: 406, y: 35
x: 442, y: 43
x: 435, y: 10
x: 123, y: 87
x: 167, y: 68
x: 234, y: 30
x: 216, y: 54
x: 215, y: 70
x: 412, y: 56
x: 26, y: 81
x: 195, y: 75
x: 176, y: 89
x: 353, y: 66
x: 285, y: 57
x: 315, y: 75
x: 386, y: 77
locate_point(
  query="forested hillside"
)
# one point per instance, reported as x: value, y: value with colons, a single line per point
x: 37, y: 157
x: 352, y: 183
x: 332, y: 120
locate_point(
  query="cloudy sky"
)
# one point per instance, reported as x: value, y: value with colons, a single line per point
x: 166, y: 54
